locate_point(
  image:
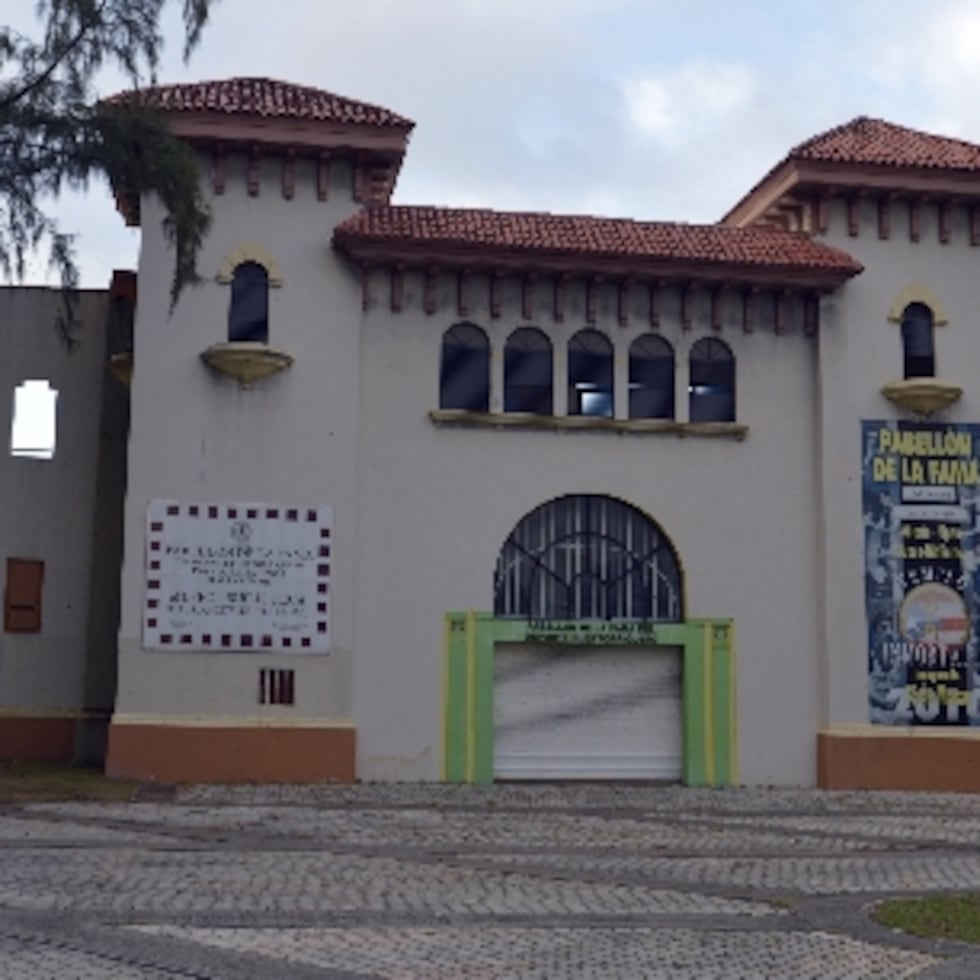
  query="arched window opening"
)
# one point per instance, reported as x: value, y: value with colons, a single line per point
x: 248, y: 315
x: 464, y: 372
x: 651, y: 378
x: 712, y: 382
x: 590, y: 374
x: 917, y: 341
x: 528, y: 372
x: 588, y: 557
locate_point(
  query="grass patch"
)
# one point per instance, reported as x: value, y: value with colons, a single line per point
x: 937, y: 917
x: 39, y: 782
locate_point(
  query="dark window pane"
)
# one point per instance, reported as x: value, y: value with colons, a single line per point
x: 528, y: 372
x: 712, y: 382
x: 464, y: 375
x: 651, y: 378
x: 917, y: 341
x: 590, y: 374
x: 248, y: 318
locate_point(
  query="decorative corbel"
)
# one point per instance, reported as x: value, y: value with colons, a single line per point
x: 884, y: 216
x: 591, y: 288
x: 323, y: 175
x: 462, y: 293
x: 219, y: 169
x: 429, y: 290
x: 527, y: 295
x: 253, y: 171
x: 655, y: 304
x: 397, y: 287
x: 559, y: 285
x: 748, y: 309
x: 623, y: 302
x: 811, y: 314
x: 686, y: 305
x: 716, y: 295
x: 943, y: 209
x: 494, y: 287
x: 915, y: 208
x: 289, y: 173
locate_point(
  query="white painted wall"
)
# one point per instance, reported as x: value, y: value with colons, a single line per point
x: 290, y: 439
x: 436, y: 505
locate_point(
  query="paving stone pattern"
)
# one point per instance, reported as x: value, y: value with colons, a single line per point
x: 445, y: 882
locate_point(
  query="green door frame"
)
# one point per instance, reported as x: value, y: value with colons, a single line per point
x: 710, y: 741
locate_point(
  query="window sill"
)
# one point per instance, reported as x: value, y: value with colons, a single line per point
x: 923, y: 396
x: 522, y: 420
x: 246, y: 362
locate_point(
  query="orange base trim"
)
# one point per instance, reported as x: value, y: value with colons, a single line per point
x: 898, y: 762
x: 37, y: 739
x: 175, y: 754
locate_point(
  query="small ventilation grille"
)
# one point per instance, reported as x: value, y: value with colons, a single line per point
x: 276, y: 686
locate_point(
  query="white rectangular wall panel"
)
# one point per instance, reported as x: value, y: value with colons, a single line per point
x: 586, y: 713
x: 234, y: 576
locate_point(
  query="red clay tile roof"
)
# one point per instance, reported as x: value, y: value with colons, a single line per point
x: 873, y: 141
x: 263, y: 97
x: 589, y: 236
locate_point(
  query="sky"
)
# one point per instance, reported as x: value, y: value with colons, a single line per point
x: 653, y: 109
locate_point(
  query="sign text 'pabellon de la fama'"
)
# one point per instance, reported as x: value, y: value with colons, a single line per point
x: 921, y: 498
x: 237, y: 577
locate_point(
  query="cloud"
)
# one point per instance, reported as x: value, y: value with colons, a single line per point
x: 697, y: 97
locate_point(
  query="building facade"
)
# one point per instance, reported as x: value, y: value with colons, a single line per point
x: 418, y: 493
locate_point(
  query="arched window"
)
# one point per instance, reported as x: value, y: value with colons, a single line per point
x: 651, y: 378
x: 712, y: 382
x: 528, y: 372
x: 464, y: 372
x: 590, y: 374
x: 248, y: 315
x: 917, y: 341
x: 588, y: 557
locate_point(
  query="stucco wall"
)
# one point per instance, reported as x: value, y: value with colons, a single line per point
x: 436, y: 504
x: 289, y: 439
x: 860, y: 350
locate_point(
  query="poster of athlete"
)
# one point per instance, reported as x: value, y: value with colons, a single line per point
x: 921, y: 483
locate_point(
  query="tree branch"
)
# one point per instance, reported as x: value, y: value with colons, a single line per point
x: 38, y: 80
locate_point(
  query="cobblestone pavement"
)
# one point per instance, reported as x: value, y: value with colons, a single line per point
x: 536, y: 881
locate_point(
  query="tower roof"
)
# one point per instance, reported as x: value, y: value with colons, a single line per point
x: 865, y: 154
x: 267, y: 98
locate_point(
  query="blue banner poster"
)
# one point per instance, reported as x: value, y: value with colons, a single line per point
x: 921, y: 490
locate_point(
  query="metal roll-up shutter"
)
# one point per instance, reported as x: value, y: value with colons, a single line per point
x: 587, y: 712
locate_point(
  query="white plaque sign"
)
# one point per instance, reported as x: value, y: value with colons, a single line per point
x: 223, y: 576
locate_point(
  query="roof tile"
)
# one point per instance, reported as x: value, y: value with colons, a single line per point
x: 874, y: 141
x: 264, y: 97
x: 590, y: 236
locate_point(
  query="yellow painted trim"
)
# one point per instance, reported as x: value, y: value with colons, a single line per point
x: 250, y: 252
x: 228, y: 721
x: 444, y: 698
x: 900, y: 731
x: 587, y: 423
x: 50, y: 713
x: 709, y: 721
x: 917, y: 292
x: 470, y: 698
x: 733, y: 707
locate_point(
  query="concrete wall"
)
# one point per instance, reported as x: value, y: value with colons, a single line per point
x: 436, y: 504
x: 49, y: 506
